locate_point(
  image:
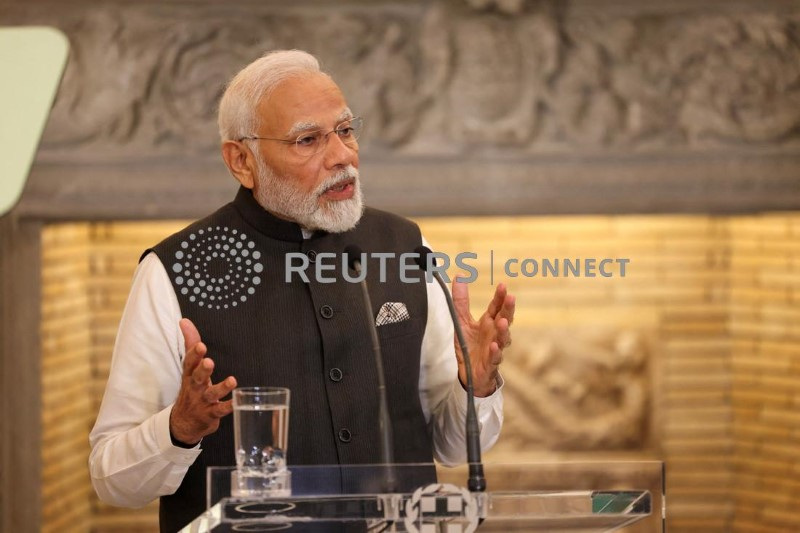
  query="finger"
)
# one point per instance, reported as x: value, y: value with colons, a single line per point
x: 190, y: 334
x: 495, y: 355
x: 216, y: 392
x: 195, y: 350
x: 485, y: 336
x: 201, y: 375
x: 508, y: 309
x: 193, y: 358
x: 503, y: 336
x: 497, y: 300
x: 222, y: 408
x: 461, y: 301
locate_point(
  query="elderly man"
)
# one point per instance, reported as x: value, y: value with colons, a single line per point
x: 210, y: 309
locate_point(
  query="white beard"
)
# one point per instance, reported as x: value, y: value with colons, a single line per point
x: 279, y: 195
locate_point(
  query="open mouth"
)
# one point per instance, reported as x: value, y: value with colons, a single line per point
x: 342, y: 190
x: 341, y: 186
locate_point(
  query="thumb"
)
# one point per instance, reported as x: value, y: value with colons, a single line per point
x: 190, y: 334
x: 461, y: 300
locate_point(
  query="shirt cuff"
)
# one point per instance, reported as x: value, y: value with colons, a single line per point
x: 480, y: 403
x: 172, y: 453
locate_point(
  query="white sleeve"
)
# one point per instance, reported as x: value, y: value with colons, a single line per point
x: 133, y: 460
x: 444, y: 401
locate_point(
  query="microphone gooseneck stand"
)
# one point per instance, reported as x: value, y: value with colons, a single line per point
x: 354, y: 255
x: 477, y: 480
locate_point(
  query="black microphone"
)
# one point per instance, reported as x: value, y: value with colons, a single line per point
x: 354, y: 255
x: 477, y: 481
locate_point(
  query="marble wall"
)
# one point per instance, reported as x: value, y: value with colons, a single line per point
x: 581, y: 106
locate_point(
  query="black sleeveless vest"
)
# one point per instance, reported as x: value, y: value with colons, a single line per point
x: 229, y: 274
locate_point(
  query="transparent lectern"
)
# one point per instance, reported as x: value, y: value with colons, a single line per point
x: 555, y: 497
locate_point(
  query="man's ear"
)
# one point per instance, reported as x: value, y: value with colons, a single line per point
x: 240, y: 162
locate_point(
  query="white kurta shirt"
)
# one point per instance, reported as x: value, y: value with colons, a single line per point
x: 133, y: 460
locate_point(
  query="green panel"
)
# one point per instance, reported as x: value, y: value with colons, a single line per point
x: 32, y: 60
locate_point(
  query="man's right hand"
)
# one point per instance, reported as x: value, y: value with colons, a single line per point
x: 197, y: 410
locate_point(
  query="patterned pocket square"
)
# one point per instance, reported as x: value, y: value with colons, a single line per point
x: 391, y: 313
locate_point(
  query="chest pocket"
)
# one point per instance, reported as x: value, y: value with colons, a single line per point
x: 397, y: 329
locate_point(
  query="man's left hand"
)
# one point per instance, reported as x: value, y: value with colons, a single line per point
x: 485, y: 337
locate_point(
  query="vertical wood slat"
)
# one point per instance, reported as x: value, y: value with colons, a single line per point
x: 20, y: 423
x: 65, y: 354
x: 766, y: 373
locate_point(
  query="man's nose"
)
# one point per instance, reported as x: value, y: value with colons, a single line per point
x: 339, y: 154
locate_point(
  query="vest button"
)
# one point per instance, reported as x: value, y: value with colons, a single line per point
x: 326, y: 311
x: 336, y: 374
x: 312, y: 256
x: 344, y: 435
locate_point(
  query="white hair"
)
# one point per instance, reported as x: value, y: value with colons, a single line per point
x: 238, y: 108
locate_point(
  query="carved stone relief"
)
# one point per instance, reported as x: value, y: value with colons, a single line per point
x: 578, y: 390
x: 441, y: 78
x: 511, y: 7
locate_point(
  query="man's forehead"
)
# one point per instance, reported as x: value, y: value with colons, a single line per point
x: 304, y: 102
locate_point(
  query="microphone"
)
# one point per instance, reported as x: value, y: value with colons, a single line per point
x: 477, y: 481
x: 354, y: 254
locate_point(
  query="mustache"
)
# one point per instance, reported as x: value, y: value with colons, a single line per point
x: 346, y: 174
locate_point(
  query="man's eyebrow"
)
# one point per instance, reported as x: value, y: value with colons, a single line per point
x: 300, y: 127
x: 346, y: 114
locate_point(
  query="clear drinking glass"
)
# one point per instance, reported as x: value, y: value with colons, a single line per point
x: 261, y: 433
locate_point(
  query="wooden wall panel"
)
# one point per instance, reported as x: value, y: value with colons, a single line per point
x: 716, y: 295
x: 20, y: 365
x: 765, y: 255
x: 67, y: 407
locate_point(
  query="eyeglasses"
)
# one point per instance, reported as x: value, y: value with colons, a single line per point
x: 313, y: 142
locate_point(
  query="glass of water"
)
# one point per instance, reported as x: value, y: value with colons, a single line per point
x: 261, y: 432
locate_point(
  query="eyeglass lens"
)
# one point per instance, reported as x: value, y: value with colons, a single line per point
x: 314, y: 142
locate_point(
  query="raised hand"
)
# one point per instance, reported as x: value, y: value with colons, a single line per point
x: 198, y: 408
x: 485, y: 337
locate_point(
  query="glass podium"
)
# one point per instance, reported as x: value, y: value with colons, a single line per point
x: 579, y: 497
